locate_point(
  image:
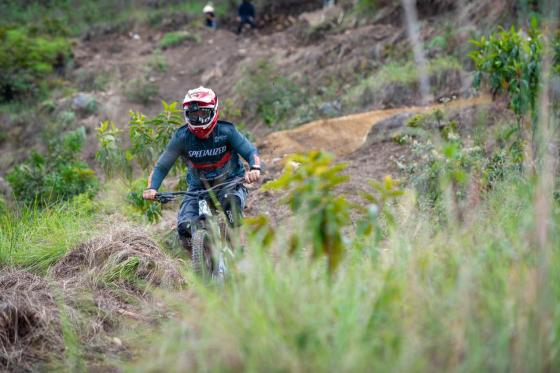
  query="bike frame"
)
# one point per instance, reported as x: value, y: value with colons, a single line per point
x: 216, y: 227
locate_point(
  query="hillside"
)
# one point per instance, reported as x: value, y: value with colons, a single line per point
x: 318, y: 61
x: 406, y: 219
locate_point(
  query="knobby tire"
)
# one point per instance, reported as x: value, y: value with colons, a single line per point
x: 200, y: 252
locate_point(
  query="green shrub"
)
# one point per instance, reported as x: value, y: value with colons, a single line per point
x: 173, y: 39
x: 509, y: 61
x: 91, y: 80
x: 447, y: 164
x: 150, y: 210
x: 148, y: 138
x: 66, y: 118
x: 141, y: 91
x: 366, y: 6
x: 311, y: 180
x: 158, y: 63
x: 26, y: 61
x: 111, y: 153
x: 55, y: 176
x: 268, y: 94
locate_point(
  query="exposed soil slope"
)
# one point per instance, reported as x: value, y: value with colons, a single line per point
x: 346, y: 134
x: 346, y: 138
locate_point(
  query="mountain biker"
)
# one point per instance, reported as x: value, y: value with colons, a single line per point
x: 211, y: 149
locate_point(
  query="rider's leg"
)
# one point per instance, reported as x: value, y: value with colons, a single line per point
x: 232, y: 207
x: 233, y: 203
x: 186, y: 221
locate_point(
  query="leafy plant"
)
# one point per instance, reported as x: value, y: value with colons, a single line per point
x: 311, y: 179
x: 148, y: 137
x: 268, y: 94
x: 379, y: 200
x: 57, y: 175
x: 26, y: 62
x: 111, y: 154
x: 511, y: 64
x: 150, y: 210
x: 66, y: 118
x: 448, y: 169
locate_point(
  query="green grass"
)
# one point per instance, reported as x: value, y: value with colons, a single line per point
x: 399, y: 73
x: 35, y: 238
x: 176, y: 38
x: 158, y: 63
x: 473, y: 297
x: 142, y: 91
x: 77, y: 17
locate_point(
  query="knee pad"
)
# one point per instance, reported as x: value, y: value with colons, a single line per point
x: 184, y: 229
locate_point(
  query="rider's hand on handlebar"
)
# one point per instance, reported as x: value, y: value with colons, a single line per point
x: 149, y: 194
x: 252, y: 176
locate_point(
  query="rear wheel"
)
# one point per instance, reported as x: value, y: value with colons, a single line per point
x: 203, y: 262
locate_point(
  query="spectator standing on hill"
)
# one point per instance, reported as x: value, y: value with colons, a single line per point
x: 210, y: 17
x: 246, y: 15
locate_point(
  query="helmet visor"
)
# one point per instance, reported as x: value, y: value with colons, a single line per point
x: 198, y: 116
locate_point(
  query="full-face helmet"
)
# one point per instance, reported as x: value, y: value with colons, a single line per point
x: 201, y: 111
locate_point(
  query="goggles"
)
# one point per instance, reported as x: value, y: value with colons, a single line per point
x: 199, y: 116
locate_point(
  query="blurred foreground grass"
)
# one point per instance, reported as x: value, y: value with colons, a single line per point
x: 480, y: 296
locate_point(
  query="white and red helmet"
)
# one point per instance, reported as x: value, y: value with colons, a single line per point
x: 200, y: 107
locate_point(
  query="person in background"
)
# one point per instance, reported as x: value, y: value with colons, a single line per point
x: 210, y: 17
x: 246, y: 15
x: 328, y: 3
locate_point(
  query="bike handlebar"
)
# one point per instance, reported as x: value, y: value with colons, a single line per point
x: 165, y: 197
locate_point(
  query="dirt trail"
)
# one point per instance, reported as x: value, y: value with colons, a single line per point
x: 344, y: 135
x: 346, y: 138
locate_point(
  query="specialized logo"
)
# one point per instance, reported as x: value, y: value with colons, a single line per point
x: 207, y: 152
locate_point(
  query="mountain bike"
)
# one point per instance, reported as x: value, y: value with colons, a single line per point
x: 210, y: 240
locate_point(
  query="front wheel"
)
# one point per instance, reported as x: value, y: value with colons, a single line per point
x: 203, y: 262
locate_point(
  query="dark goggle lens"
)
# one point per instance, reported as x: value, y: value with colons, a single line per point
x: 200, y: 115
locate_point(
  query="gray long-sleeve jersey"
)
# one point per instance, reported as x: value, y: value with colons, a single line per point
x: 210, y: 158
